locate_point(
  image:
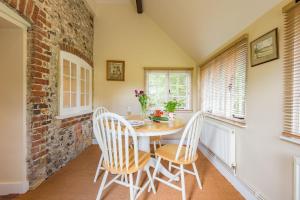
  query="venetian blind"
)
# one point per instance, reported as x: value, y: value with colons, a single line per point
x: 292, y: 71
x: 223, y: 83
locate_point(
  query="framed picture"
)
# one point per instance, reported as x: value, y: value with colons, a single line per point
x: 265, y: 48
x: 115, y: 70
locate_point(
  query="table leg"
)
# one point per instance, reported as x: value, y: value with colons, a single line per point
x: 144, y: 145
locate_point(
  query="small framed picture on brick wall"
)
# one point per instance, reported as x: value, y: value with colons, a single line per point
x: 115, y: 70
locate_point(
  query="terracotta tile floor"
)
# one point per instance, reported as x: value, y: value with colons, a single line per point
x: 75, y: 182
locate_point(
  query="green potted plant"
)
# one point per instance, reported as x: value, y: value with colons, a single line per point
x: 170, y: 107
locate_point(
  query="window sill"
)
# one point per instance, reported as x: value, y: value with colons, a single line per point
x: 290, y: 139
x: 228, y: 121
x: 74, y: 115
x: 183, y: 111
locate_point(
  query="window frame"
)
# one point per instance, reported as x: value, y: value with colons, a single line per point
x: 240, y: 122
x: 168, y: 70
x: 78, y: 109
x: 291, y: 77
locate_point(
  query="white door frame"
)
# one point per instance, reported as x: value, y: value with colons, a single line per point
x: 12, y: 16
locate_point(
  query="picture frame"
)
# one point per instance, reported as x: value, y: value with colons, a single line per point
x: 265, y: 48
x: 115, y: 70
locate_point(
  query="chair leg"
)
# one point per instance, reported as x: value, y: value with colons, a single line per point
x: 170, y: 166
x: 182, y: 182
x: 126, y: 179
x: 137, y: 181
x: 154, y: 146
x: 156, y: 168
x: 197, y: 175
x: 159, y: 143
x: 132, y: 195
x: 155, y: 171
x: 122, y: 178
x: 102, y: 186
x: 98, y: 168
x: 150, y: 180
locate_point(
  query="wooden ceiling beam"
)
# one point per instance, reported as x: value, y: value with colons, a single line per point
x: 139, y: 6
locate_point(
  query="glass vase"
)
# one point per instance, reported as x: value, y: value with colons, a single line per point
x: 144, y: 111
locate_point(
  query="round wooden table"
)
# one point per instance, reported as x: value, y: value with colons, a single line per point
x: 156, y: 129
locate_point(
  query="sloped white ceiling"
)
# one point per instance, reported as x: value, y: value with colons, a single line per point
x: 201, y: 26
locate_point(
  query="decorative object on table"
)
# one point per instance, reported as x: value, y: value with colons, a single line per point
x: 157, y: 116
x: 136, y: 123
x: 170, y: 107
x: 143, y: 99
x: 115, y: 70
x: 129, y: 111
x: 158, y: 113
x: 159, y: 119
x: 265, y: 48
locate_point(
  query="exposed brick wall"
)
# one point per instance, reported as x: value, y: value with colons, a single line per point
x: 55, y: 24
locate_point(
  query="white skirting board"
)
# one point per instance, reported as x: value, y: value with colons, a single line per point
x: 245, y: 190
x: 14, y: 188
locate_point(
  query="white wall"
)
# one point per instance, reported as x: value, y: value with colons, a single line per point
x: 265, y: 162
x: 12, y: 138
x: 120, y: 33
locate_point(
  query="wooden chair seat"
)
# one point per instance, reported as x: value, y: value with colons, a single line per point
x: 144, y: 157
x: 168, y: 152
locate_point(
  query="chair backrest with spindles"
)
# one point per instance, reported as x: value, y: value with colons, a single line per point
x: 112, y: 132
x: 190, y: 137
x: 99, y: 110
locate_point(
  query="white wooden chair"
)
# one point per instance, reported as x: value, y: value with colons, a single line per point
x: 98, y: 111
x: 183, y: 154
x: 112, y: 133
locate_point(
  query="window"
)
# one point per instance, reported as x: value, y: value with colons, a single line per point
x: 169, y: 84
x: 223, y: 83
x: 75, y: 85
x: 292, y: 72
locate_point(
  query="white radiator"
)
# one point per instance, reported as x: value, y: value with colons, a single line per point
x: 220, y: 140
x: 297, y: 178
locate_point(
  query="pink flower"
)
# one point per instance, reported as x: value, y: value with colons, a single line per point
x: 139, y: 93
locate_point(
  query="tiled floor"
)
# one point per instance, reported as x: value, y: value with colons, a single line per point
x: 75, y: 182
